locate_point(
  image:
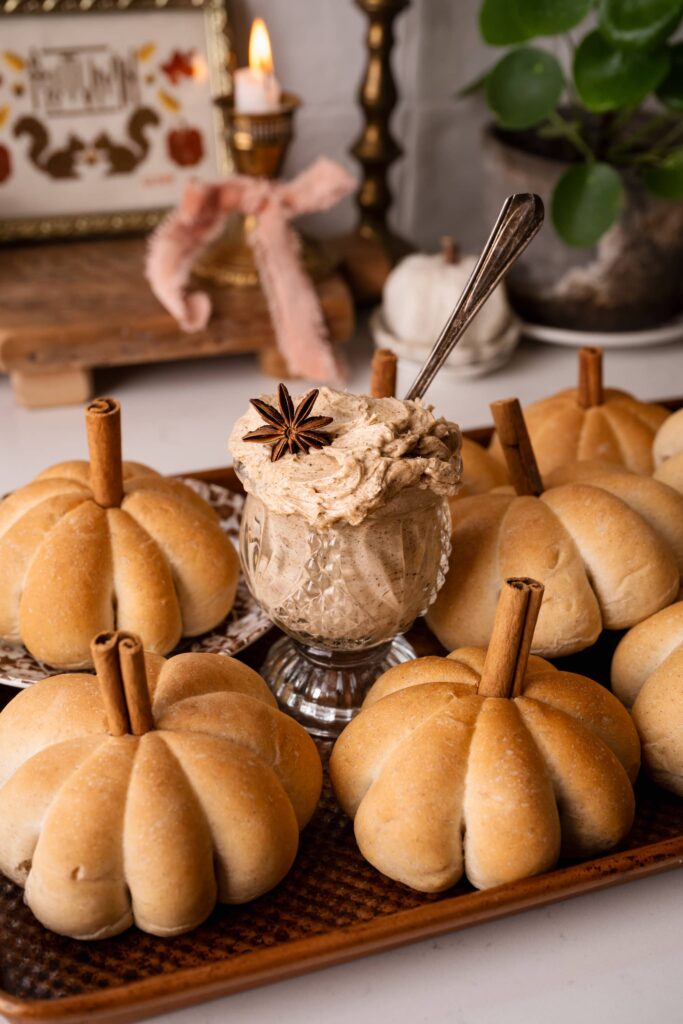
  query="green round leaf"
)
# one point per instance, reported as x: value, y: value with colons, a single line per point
x: 549, y: 17
x: 638, y: 24
x: 666, y: 180
x: 524, y: 88
x: 499, y: 24
x: 586, y: 202
x: 670, y: 92
x: 607, y: 79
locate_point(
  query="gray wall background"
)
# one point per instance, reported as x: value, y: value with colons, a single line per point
x: 319, y: 52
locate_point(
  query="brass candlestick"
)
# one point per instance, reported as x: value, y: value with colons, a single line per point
x: 373, y: 249
x: 258, y: 143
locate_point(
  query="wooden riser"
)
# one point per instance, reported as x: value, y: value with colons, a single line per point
x: 70, y: 307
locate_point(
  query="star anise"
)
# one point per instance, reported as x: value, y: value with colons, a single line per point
x: 291, y: 429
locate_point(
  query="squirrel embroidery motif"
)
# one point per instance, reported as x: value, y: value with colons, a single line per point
x: 60, y: 163
x: 124, y: 159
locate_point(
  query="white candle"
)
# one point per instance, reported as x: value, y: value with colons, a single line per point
x: 256, y: 89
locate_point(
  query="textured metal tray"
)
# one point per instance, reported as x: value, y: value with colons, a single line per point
x: 332, y: 907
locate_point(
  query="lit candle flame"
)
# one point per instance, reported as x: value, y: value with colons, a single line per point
x: 260, y: 53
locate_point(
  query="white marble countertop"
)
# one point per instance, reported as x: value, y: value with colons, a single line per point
x: 611, y: 956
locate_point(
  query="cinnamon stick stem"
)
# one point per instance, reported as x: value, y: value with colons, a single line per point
x: 449, y: 250
x: 590, y: 378
x: 135, y: 687
x: 535, y: 600
x: 383, y: 374
x: 105, y: 655
x: 510, y: 641
x: 514, y: 440
x: 103, y: 421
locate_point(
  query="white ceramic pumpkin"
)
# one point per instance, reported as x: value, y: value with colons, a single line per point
x: 419, y: 295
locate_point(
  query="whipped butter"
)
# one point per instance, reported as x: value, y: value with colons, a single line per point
x: 380, y: 447
x: 345, y: 546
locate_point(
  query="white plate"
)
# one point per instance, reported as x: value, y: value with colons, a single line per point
x: 664, y: 335
x: 244, y: 624
x: 462, y: 362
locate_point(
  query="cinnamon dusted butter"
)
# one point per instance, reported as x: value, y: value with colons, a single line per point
x: 380, y: 448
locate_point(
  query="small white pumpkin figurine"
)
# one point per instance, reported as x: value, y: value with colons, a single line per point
x: 419, y: 296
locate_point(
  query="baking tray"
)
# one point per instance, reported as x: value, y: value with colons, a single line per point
x: 332, y: 907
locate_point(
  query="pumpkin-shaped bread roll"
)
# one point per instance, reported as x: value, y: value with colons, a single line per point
x: 476, y: 763
x: 643, y: 649
x: 93, y: 546
x: 481, y: 472
x: 647, y: 674
x: 668, y: 452
x: 606, y: 544
x: 589, y: 422
x: 131, y: 801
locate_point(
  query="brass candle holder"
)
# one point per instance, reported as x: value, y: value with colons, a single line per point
x: 373, y: 249
x: 258, y: 144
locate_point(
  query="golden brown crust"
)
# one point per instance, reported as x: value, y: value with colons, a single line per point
x: 465, y: 606
x: 77, y: 883
x: 480, y: 470
x: 593, y: 706
x: 260, y: 730
x: 593, y: 792
x: 409, y: 823
x: 658, y: 716
x: 512, y: 821
x: 643, y: 649
x: 205, y: 574
x: 146, y: 599
x: 671, y: 472
x: 496, y: 536
x: 606, y: 544
x: 423, y: 670
x: 620, y: 431
x: 191, y: 675
x: 67, y: 593
x: 534, y: 542
x: 18, y: 545
x: 632, y: 570
x: 659, y: 505
x: 208, y: 804
x: 426, y: 763
x: 160, y: 565
x: 669, y: 440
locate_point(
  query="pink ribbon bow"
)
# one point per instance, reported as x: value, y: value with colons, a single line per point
x: 297, y: 318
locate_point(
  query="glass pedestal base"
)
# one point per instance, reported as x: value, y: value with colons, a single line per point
x: 324, y: 689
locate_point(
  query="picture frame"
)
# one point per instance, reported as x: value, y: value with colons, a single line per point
x: 106, y: 110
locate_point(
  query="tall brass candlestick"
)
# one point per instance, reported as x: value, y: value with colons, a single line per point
x: 374, y: 248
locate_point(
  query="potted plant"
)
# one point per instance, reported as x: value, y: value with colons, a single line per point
x: 591, y: 119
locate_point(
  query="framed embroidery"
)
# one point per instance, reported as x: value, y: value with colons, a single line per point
x: 105, y: 112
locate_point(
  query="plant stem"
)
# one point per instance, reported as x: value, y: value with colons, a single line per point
x: 621, y: 119
x: 572, y: 135
x: 641, y: 135
x: 666, y: 139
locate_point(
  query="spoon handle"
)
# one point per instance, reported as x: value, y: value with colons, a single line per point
x: 518, y: 221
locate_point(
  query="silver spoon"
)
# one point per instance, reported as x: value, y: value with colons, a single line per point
x: 518, y: 221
